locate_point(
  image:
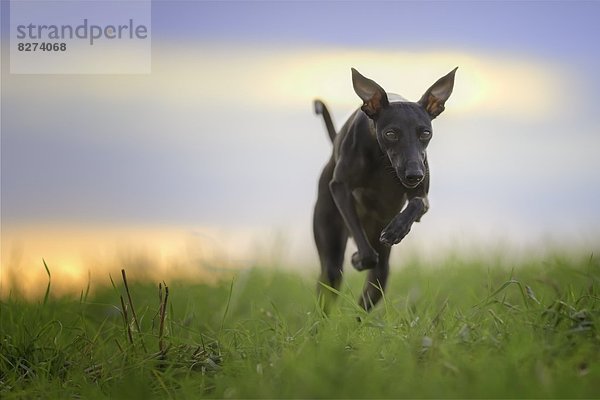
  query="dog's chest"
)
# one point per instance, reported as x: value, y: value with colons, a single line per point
x: 380, y: 201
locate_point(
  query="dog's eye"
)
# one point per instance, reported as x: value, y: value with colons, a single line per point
x: 425, y: 135
x: 391, y: 135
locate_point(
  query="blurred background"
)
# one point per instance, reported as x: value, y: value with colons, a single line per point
x: 211, y: 161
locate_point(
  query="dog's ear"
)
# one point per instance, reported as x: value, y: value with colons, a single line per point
x: 370, y: 92
x: 435, y: 97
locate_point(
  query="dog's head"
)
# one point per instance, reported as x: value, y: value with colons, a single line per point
x: 404, y: 128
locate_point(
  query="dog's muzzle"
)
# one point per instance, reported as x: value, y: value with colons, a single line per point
x: 413, y: 174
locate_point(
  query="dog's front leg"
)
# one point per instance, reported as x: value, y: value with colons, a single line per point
x: 400, y: 225
x: 366, y: 257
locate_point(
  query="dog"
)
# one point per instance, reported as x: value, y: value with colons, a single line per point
x: 375, y: 185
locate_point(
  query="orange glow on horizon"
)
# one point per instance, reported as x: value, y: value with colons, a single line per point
x: 78, y: 255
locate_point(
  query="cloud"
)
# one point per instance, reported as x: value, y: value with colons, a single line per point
x: 270, y: 78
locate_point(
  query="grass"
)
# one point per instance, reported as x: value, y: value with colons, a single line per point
x: 467, y: 329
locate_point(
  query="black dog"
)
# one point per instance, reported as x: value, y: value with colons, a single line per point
x: 378, y: 165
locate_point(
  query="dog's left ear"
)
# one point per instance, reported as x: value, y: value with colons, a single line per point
x: 435, y: 97
x: 373, y: 95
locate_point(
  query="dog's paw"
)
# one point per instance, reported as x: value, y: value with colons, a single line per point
x: 367, y: 261
x: 393, y: 234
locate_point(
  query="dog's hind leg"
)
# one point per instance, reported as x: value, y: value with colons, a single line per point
x: 376, y: 279
x: 331, y: 237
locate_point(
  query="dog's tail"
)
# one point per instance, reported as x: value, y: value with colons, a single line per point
x: 321, y: 108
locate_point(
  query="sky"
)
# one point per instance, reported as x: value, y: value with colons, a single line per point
x: 217, y: 148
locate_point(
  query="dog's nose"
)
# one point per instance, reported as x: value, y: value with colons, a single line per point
x: 414, y: 176
x: 414, y: 172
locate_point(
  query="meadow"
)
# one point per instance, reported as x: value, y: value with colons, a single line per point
x: 466, y: 328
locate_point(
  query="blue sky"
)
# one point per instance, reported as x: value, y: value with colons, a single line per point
x: 221, y: 134
x: 537, y: 28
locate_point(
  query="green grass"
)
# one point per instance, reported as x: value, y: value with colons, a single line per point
x: 466, y: 328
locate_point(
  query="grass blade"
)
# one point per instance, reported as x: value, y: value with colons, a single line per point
x: 47, y: 295
x: 133, y: 313
x: 228, y: 303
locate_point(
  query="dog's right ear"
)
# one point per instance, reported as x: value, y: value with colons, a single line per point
x: 373, y: 96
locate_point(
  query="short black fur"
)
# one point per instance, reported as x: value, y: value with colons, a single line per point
x: 376, y: 182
